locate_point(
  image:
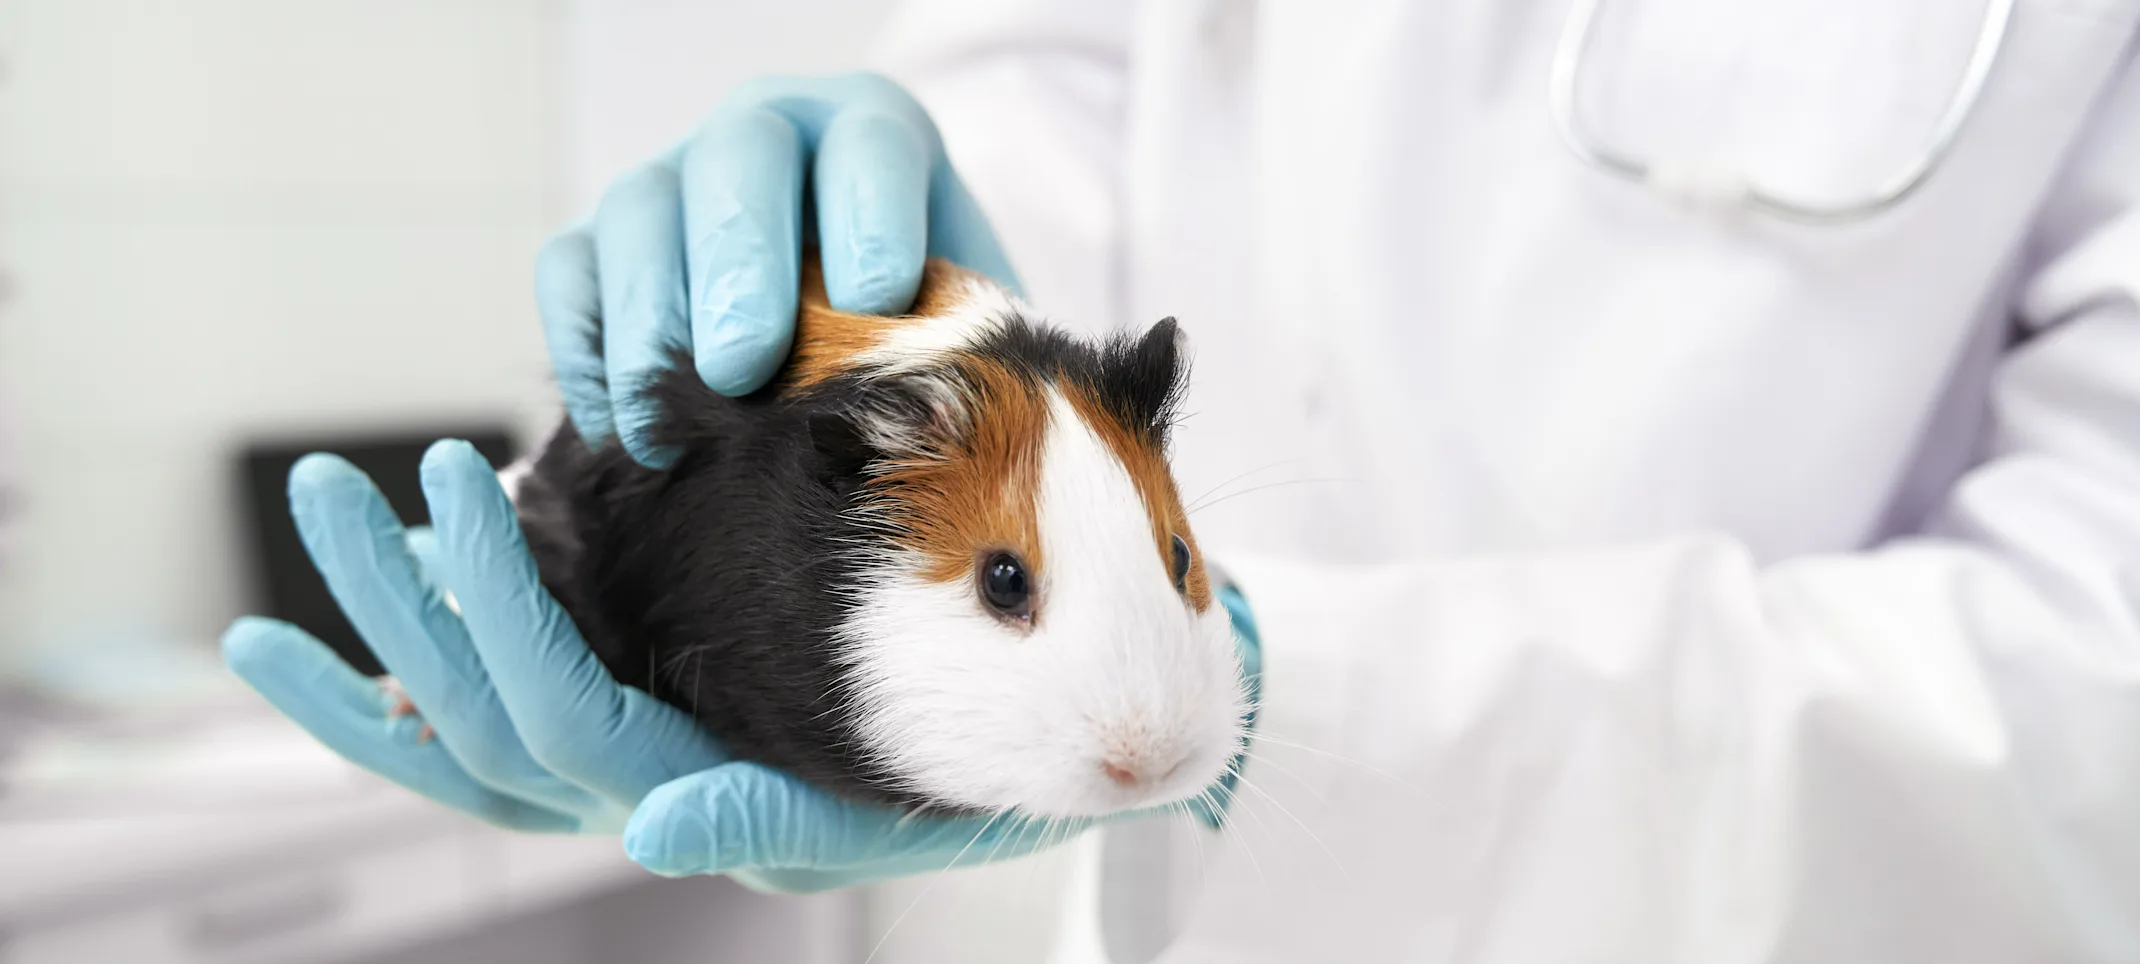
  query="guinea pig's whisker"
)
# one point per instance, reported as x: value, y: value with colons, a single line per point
x: 1041, y: 840
x: 1045, y: 823
x: 1025, y: 885
x: 1259, y: 791
x: 1340, y: 758
x: 1251, y: 490
x: 1214, y: 490
x: 1061, y: 830
x: 1046, y: 826
x: 698, y: 672
x: 1219, y: 492
x: 1237, y: 803
x: 1230, y: 830
x: 1247, y: 846
x: 673, y: 667
x: 1196, y: 840
x: 931, y: 885
x: 1273, y: 764
x: 1066, y: 830
x: 1053, y: 831
x: 796, y: 570
x: 1005, y: 836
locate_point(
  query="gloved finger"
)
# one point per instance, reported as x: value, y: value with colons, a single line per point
x: 955, y: 227
x: 748, y: 817
x: 347, y: 711
x: 871, y: 184
x: 639, y: 257
x: 568, y: 297
x: 960, y: 233
x: 570, y: 713
x: 742, y: 181
x: 423, y: 547
x: 362, y: 552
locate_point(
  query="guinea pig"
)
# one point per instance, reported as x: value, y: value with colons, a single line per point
x: 939, y: 562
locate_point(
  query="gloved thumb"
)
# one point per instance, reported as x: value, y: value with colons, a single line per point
x: 731, y: 817
x: 778, y: 833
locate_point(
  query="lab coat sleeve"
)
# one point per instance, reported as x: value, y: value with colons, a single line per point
x: 1029, y: 97
x: 1933, y: 744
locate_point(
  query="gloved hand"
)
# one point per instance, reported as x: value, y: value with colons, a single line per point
x: 532, y: 732
x: 701, y: 248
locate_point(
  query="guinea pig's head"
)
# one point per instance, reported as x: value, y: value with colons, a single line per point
x: 1033, y: 627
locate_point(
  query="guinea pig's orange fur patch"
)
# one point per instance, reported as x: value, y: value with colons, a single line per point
x: 1147, y: 467
x: 827, y: 339
x: 981, y: 495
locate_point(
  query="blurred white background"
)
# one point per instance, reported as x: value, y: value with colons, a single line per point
x: 222, y: 220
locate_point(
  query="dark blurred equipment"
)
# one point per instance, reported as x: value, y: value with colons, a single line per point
x: 286, y: 586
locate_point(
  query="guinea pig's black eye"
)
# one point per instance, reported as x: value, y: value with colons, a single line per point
x: 1181, y: 564
x: 1005, y: 586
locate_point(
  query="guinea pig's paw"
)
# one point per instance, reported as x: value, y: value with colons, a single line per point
x: 402, y: 706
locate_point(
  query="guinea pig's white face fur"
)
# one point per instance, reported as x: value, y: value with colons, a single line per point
x: 1120, y: 692
x: 1114, y: 682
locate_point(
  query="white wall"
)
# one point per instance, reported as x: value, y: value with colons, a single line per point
x: 643, y: 72
x: 233, y: 217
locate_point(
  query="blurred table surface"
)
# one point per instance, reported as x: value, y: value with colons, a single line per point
x: 239, y: 839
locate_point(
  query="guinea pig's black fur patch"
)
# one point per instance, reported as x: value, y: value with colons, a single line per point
x: 716, y: 584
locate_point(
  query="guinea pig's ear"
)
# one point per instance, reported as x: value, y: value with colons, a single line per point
x: 901, y: 417
x: 1143, y: 378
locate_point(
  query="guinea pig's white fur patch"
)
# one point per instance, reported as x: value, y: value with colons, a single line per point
x: 976, y: 308
x: 1117, y: 668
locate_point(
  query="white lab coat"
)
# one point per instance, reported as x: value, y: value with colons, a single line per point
x: 1650, y: 585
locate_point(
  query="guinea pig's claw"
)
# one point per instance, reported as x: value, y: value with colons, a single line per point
x: 403, y: 706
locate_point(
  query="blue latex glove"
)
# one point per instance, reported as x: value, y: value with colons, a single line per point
x: 532, y: 732
x: 701, y: 248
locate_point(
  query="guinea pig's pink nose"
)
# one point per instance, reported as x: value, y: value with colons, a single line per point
x: 1130, y: 771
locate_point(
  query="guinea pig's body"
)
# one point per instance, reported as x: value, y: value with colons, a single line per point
x: 939, y: 562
